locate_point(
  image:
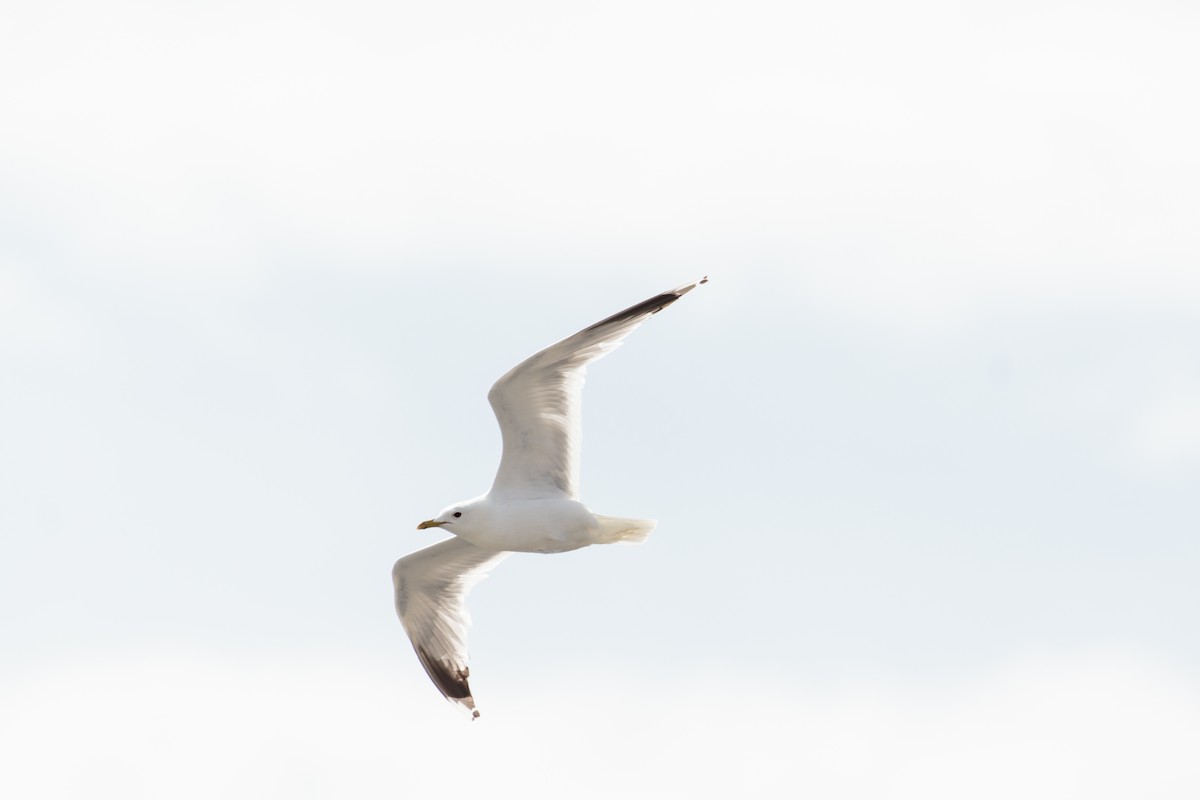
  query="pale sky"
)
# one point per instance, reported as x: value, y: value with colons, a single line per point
x: 924, y: 453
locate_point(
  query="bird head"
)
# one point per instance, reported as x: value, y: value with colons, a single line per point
x: 458, y: 517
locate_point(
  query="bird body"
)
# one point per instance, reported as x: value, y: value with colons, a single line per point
x: 525, y: 525
x: 533, y: 505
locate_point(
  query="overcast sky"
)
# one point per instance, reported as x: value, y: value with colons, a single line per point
x: 924, y: 452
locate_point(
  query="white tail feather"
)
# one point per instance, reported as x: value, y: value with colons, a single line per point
x: 619, y: 529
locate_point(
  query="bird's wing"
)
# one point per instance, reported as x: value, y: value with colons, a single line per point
x: 431, y: 588
x: 538, y: 405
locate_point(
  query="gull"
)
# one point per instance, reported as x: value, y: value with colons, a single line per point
x: 533, y: 505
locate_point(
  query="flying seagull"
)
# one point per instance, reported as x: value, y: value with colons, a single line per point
x: 533, y: 505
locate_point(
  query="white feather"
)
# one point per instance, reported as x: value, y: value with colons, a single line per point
x: 533, y: 505
x: 538, y: 404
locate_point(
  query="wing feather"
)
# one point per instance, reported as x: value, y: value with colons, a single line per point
x: 431, y: 588
x: 538, y: 404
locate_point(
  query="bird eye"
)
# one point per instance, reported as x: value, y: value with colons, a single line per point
x: 458, y: 513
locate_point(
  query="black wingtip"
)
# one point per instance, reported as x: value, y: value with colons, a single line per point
x: 452, y: 682
x: 652, y: 306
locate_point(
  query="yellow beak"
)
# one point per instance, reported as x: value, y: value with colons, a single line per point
x: 430, y: 523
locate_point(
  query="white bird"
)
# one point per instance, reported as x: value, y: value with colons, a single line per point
x: 533, y: 505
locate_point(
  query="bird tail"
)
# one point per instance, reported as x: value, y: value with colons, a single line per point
x: 619, y: 529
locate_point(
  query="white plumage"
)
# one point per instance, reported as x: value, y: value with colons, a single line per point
x: 533, y: 505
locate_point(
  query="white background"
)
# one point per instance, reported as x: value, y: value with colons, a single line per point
x: 925, y: 452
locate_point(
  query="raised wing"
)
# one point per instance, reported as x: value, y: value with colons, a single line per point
x: 431, y: 588
x: 538, y: 404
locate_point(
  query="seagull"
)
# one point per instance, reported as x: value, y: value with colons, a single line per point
x: 533, y: 505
